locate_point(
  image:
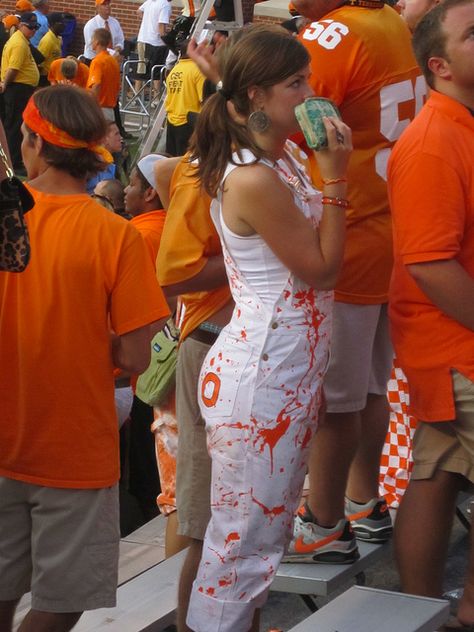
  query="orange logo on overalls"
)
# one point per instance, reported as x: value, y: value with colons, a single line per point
x: 210, y: 387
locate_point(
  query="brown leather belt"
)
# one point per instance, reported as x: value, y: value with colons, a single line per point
x: 201, y: 335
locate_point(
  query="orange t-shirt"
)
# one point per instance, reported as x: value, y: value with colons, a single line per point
x: 104, y: 71
x: 189, y: 239
x: 431, y: 187
x: 88, y: 270
x: 362, y: 60
x: 55, y: 75
x: 150, y: 226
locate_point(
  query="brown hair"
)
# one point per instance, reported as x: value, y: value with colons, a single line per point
x: 429, y: 38
x: 256, y: 56
x: 102, y: 37
x: 76, y: 112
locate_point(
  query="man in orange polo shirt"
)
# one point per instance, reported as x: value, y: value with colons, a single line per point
x: 431, y: 187
x: 104, y: 74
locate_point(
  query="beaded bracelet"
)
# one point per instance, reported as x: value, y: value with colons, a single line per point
x: 334, y: 180
x: 335, y: 201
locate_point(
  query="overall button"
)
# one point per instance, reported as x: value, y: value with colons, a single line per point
x: 274, y: 325
x: 265, y: 356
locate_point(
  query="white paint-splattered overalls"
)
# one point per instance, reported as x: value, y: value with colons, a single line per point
x: 259, y: 394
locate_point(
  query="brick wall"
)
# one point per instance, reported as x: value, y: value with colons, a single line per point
x: 124, y: 10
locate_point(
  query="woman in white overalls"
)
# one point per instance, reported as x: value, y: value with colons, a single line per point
x: 260, y: 385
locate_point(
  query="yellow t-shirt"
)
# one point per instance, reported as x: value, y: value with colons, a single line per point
x: 184, y: 91
x: 17, y: 54
x: 50, y: 48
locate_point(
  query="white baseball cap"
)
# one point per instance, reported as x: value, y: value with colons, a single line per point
x: 146, y: 166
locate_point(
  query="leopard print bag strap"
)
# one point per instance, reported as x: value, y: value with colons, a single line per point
x: 15, y: 201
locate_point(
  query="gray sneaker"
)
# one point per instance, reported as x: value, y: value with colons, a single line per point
x: 371, y: 521
x: 312, y: 543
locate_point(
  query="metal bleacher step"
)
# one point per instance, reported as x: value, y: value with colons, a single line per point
x: 323, y: 579
x: 146, y: 603
x: 361, y: 609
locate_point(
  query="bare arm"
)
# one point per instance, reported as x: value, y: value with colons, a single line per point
x: 163, y: 171
x: 131, y: 351
x: 203, y: 56
x: 447, y: 284
x: 9, y: 77
x: 95, y: 89
x: 257, y: 201
x: 211, y: 276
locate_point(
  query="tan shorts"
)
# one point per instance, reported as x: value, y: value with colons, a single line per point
x: 448, y: 445
x: 62, y: 544
x: 361, y: 356
x: 193, y: 466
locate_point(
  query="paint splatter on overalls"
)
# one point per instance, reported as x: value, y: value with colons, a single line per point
x: 259, y: 392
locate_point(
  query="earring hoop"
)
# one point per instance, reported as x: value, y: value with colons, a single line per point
x: 258, y: 122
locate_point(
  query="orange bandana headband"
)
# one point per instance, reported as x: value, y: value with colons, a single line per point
x: 52, y: 134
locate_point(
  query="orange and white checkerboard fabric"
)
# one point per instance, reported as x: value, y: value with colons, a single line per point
x: 396, y: 462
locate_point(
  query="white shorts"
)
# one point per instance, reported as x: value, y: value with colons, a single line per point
x: 361, y: 356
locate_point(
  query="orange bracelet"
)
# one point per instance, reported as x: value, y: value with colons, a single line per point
x: 334, y: 180
x: 335, y: 201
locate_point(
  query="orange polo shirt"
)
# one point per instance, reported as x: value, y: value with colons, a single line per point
x: 88, y: 270
x: 431, y: 187
x: 104, y: 71
x: 55, y: 75
x: 189, y: 239
x: 378, y: 88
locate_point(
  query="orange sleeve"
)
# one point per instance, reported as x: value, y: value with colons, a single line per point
x: 95, y: 72
x: 188, y: 233
x: 136, y: 282
x: 82, y: 75
x: 54, y: 70
x: 422, y: 189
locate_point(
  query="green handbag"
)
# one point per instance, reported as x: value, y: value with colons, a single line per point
x: 156, y: 382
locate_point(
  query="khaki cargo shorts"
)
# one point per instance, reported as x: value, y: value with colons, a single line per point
x: 62, y: 544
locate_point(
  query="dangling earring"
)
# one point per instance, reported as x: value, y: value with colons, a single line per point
x: 258, y: 122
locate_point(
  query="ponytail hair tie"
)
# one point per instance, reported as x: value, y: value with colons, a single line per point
x: 220, y: 90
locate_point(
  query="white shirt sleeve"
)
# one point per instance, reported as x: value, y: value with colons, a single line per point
x: 89, y: 28
x: 165, y: 14
x: 118, y: 38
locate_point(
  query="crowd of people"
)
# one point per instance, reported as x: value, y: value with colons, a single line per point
x: 292, y: 278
